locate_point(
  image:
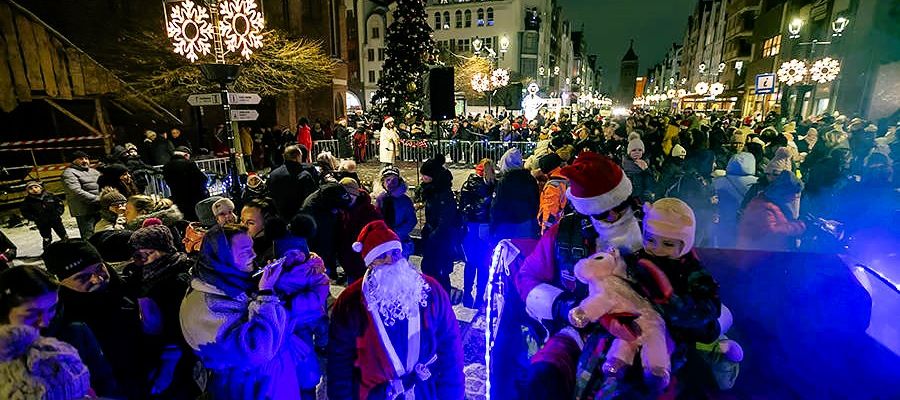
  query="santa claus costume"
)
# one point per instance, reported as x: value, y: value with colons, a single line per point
x: 393, y: 333
x: 601, y: 194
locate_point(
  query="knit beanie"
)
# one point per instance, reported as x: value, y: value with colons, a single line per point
x: 635, y: 144
x: 155, y: 237
x: 679, y: 151
x: 671, y: 218
x: 432, y: 167
x: 204, y: 210
x: 35, y: 367
x: 110, y: 197
x: 566, y: 152
x: 389, y: 170
x: 33, y: 183
x: 549, y: 162
x: 222, y: 206
x: 67, y: 257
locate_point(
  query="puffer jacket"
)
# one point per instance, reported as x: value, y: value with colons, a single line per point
x: 641, y: 179
x: 731, y: 190
x: 82, y: 191
x: 43, y: 208
x: 475, y: 199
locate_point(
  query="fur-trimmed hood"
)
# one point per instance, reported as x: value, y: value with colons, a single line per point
x: 168, y: 216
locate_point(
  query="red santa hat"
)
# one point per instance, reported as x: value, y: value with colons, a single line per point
x: 596, y: 184
x: 375, y: 239
x: 388, y: 119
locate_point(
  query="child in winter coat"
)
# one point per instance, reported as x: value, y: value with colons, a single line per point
x: 673, y: 278
x: 45, y: 209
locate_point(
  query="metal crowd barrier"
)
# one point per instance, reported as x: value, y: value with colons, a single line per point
x: 330, y: 145
x: 457, y: 152
x: 214, y: 168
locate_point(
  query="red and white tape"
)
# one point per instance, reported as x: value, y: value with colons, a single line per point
x: 46, y: 141
x: 52, y: 167
x: 51, y: 148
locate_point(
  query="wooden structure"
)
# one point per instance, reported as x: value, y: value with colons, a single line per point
x: 37, y: 63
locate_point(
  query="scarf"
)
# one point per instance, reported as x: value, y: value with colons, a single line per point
x: 216, y: 265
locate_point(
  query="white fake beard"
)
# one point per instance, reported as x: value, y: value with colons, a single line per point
x: 395, y: 291
x: 622, y: 234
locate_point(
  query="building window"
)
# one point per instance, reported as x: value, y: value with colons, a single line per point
x: 381, y: 54
x: 371, y: 54
x: 490, y: 16
x: 458, y: 17
x: 446, y: 20
x: 468, y: 15
x: 376, y: 32
x: 530, y: 44
x: 480, y: 17
x: 437, y: 21
x: 529, y: 67
x: 371, y: 76
x: 463, y: 45
x: 772, y: 46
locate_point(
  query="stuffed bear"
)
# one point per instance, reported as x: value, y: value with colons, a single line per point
x: 611, y: 293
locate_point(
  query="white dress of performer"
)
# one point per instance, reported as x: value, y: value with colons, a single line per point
x: 389, y: 142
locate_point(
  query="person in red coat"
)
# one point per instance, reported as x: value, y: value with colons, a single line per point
x: 393, y: 333
x: 770, y: 220
x: 304, y: 137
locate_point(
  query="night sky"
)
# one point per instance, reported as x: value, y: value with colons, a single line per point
x: 609, y: 24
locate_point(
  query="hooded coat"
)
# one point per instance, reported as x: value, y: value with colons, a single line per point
x: 399, y: 214
x: 251, y: 343
x: 731, y: 190
x: 764, y: 227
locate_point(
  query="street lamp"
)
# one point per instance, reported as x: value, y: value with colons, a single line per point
x: 794, y: 28
x: 476, y: 44
x: 838, y: 26
x: 504, y: 44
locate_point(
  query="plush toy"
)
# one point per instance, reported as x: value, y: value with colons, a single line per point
x: 724, y: 355
x: 611, y: 294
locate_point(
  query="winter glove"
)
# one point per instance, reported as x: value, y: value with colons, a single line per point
x: 563, y: 303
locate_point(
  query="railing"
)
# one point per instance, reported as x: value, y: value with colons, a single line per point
x: 458, y: 153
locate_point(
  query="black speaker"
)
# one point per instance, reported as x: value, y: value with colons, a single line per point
x: 439, y: 105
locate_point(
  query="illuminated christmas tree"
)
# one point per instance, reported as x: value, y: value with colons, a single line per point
x: 410, y: 48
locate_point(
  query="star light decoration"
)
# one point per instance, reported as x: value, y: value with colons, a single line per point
x: 701, y: 88
x: 241, y: 24
x: 189, y: 27
x: 792, y: 72
x: 716, y: 89
x: 480, y: 82
x: 825, y: 70
x: 499, y: 78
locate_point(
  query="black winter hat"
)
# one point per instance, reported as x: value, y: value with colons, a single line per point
x: 79, y: 154
x: 156, y: 237
x: 549, y: 162
x: 113, y: 245
x: 432, y: 167
x: 67, y: 257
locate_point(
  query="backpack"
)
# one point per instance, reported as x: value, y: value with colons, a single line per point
x: 553, y: 202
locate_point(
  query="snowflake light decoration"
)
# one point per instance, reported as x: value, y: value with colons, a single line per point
x: 188, y: 26
x: 825, y: 70
x: 480, y: 82
x: 499, y: 78
x: 701, y: 88
x: 241, y: 24
x: 716, y: 89
x: 792, y: 72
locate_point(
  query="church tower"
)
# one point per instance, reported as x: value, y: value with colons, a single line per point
x: 627, y: 77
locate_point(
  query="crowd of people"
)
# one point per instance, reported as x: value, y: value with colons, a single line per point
x: 229, y: 297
